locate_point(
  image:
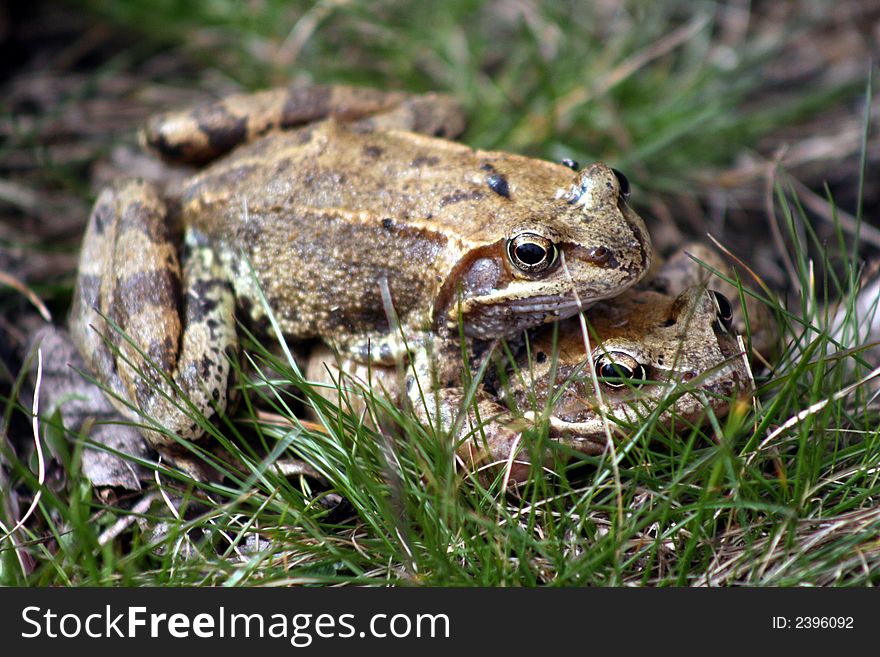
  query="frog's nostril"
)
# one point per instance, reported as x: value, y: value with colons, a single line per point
x: 602, y: 256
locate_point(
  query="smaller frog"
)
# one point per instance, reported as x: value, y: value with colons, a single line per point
x: 647, y: 348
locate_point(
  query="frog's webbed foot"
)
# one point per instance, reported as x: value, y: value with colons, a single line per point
x: 202, y: 134
x: 169, y: 358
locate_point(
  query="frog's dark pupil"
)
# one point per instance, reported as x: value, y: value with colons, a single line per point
x: 530, y: 254
x: 609, y: 370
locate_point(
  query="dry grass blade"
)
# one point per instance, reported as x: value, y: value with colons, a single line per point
x: 287, y: 54
x: 779, y: 555
x: 824, y: 210
x: 126, y: 521
x: 770, y: 210
x: 13, y: 282
x: 41, y: 462
x: 740, y: 262
x: 815, y: 408
x: 569, y: 103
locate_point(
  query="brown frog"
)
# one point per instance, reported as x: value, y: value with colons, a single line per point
x: 678, y: 348
x: 344, y: 213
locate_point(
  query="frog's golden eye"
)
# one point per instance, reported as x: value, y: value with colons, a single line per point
x: 531, y: 253
x: 619, y: 369
x: 723, y: 309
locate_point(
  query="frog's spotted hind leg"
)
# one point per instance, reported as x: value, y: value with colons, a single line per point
x: 179, y: 323
x: 207, y: 132
x: 437, y: 115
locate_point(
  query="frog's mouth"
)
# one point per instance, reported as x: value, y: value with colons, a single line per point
x: 554, y: 306
x: 486, y: 321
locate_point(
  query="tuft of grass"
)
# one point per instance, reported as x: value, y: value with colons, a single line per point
x: 715, y: 504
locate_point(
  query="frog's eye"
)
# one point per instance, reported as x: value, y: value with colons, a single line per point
x: 622, y: 181
x: 531, y: 253
x: 619, y: 369
x: 723, y: 308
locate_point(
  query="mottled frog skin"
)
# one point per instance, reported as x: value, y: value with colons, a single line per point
x: 673, y: 341
x: 344, y: 207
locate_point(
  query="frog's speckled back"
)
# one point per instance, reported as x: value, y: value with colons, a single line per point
x: 332, y: 212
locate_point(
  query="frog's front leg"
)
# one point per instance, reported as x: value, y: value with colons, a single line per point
x: 170, y: 356
x: 486, y: 433
x: 207, y: 132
